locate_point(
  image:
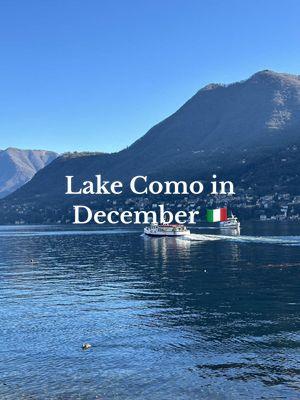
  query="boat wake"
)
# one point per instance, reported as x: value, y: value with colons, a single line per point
x: 281, y: 240
x: 197, y: 237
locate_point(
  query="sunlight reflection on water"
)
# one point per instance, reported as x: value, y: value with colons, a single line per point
x: 167, y: 318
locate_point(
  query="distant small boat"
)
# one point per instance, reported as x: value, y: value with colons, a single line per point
x: 155, y: 229
x: 231, y: 223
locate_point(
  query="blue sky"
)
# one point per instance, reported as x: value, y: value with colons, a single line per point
x: 96, y: 75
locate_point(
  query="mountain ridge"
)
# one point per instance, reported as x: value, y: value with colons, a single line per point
x: 18, y: 166
x: 226, y: 129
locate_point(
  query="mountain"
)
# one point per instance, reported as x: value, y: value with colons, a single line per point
x: 18, y: 166
x: 247, y: 131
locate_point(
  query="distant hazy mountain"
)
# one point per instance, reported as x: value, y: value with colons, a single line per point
x: 19, y: 166
x: 247, y: 131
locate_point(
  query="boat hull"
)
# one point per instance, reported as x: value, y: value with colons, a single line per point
x: 166, y: 230
x: 230, y: 224
x: 169, y: 234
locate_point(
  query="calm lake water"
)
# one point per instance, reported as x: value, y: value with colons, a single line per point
x: 207, y: 318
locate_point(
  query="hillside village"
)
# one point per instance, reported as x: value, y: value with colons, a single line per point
x: 245, y: 204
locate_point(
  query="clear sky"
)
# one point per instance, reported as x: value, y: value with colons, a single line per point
x: 96, y: 75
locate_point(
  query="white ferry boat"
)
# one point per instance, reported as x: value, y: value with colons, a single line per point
x: 231, y: 223
x: 155, y: 229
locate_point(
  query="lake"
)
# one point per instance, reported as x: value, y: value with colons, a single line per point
x: 211, y: 317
